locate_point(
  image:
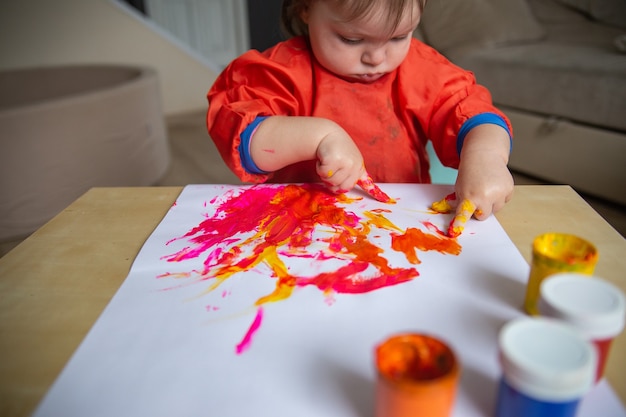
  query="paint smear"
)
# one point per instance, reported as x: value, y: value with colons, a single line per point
x: 444, y: 206
x: 247, y: 339
x: 415, y: 239
x: 261, y: 226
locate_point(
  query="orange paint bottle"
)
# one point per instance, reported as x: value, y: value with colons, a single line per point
x: 417, y: 376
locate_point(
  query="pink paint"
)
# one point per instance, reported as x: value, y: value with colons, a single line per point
x: 247, y: 339
x: 263, y: 225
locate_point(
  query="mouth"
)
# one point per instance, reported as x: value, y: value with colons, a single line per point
x: 369, y: 77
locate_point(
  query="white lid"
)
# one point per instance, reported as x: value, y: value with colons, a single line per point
x: 546, y: 359
x: 594, y: 306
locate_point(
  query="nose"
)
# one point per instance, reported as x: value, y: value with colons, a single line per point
x: 373, y: 56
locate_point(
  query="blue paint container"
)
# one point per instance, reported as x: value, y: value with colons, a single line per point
x: 547, y: 367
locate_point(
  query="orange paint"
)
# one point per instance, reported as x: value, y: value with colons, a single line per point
x: 417, y: 376
x: 414, y: 239
x: 264, y: 225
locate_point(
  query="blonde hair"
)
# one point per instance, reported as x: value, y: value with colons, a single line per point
x: 292, y: 10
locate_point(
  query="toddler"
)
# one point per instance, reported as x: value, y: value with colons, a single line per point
x: 353, y: 90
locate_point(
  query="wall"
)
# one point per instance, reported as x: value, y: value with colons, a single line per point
x: 44, y: 32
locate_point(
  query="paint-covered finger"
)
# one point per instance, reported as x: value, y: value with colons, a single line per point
x: 368, y: 185
x: 464, y: 212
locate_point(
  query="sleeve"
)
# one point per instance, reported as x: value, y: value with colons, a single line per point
x: 481, y: 119
x: 247, y: 162
x: 448, y: 103
x: 275, y: 82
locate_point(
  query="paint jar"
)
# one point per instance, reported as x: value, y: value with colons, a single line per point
x: 594, y: 306
x: 417, y: 376
x: 547, y: 367
x: 553, y: 253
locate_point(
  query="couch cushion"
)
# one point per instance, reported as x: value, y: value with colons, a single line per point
x: 453, y: 23
x: 576, y: 72
x: 579, y: 83
x: 572, y: 26
x: 611, y: 12
x: 562, y: 22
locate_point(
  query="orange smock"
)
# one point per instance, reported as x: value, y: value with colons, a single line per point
x: 390, y: 120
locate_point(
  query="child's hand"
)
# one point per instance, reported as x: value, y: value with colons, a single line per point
x: 484, y: 178
x: 339, y: 161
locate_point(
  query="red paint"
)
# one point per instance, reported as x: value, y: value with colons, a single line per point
x: 433, y: 228
x: 346, y: 280
x: 261, y: 225
x: 454, y: 231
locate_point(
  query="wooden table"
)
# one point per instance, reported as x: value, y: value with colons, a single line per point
x: 56, y: 283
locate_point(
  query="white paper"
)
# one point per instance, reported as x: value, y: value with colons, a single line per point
x: 167, y: 346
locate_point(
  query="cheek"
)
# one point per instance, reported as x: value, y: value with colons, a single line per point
x: 336, y: 57
x: 398, y: 54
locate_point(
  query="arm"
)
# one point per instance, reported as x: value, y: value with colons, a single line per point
x: 283, y: 140
x: 484, y: 178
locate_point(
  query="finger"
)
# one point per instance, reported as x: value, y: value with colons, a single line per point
x: 324, y: 171
x: 337, y: 182
x: 464, y: 212
x: 368, y: 185
x: 480, y: 214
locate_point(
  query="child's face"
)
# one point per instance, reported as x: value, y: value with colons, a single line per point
x: 361, y: 49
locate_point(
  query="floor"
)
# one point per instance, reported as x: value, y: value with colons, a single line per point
x: 195, y: 161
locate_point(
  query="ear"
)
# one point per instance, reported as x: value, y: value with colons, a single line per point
x: 305, y: 11
x: 304, y: 14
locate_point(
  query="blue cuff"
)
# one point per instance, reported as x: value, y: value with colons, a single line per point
x: 244, y: 147
x: 481, y: 119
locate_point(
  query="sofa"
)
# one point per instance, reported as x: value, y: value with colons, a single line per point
x: 65, y: 129
x: 557, y: 68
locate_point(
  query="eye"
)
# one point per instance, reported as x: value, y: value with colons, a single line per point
x: 399, y: 38
x: 349, y: 41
